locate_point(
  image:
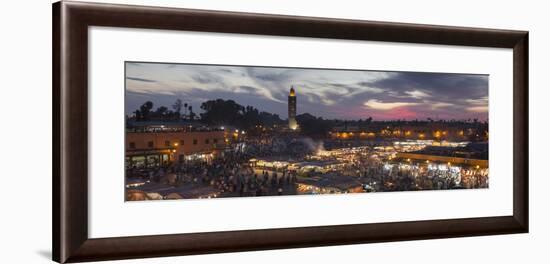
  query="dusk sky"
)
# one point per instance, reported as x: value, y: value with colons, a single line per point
x: 342, y: 94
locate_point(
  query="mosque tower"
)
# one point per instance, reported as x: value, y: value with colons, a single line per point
x: 292, y: 124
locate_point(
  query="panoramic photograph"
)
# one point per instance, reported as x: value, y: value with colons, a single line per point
x: 196, y: 131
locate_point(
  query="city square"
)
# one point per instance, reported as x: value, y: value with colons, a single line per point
x: 229, y: 150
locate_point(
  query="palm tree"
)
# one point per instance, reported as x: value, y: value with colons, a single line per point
x: 191, y: 114
x: 185, y: 108
x: 177, y: 108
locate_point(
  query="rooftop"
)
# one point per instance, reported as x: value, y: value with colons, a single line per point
x: 331, y: 181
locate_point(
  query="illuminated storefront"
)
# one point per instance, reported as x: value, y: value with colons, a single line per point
x: 148, y: 158
x: 158, y: 149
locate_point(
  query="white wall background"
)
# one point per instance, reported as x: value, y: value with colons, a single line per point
x: 25, y: 130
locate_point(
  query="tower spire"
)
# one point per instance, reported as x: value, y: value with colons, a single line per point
x: 292, y: 124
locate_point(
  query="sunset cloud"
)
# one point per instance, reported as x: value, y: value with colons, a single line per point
x: 343, y: 94
x: 417, y: 94
x: 478, y: 109
x: 375, y: 104
x: 440, y: 105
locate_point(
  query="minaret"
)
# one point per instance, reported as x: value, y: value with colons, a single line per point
x: 292, y: 109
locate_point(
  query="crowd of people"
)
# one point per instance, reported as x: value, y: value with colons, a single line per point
x: 230, y: 174
x: 380, y: 172
x: 390, y: 176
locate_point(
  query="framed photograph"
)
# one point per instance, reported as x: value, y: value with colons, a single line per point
x: 180, y: 131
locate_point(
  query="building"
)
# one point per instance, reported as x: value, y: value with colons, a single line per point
x: 440, y: 131
x: 154, y: 149
x: 292, y: 124
x: 473, y: 154
x: 328, y: 183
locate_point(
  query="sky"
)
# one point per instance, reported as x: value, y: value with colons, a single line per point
x: 327, y: 93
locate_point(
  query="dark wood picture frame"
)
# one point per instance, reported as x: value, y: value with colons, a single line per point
x: 70, y: 131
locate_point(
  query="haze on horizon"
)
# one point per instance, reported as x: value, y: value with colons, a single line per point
x: 340, y: 94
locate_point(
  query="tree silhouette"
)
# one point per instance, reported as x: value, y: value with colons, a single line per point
x: 191, y: 113
x: 177, y: 108
x: 221, y: 112
x: 145, y: 111
x: 314, y: 126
